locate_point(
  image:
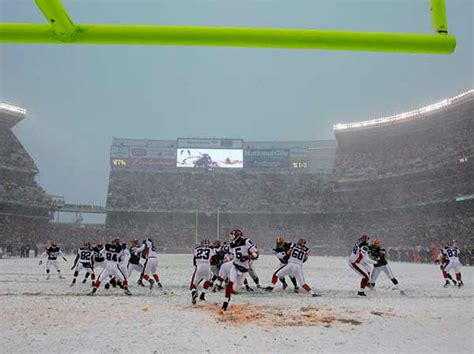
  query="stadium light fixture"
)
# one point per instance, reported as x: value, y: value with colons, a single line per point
x: 406, y: 115
x: 62, y: 30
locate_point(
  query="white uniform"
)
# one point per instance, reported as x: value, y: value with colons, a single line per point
x: 85, y: 260
x: 151, y: 263
x: 202, y: 265
x: 123, y: 261
x: 112, y: 255
x: 294, y: 267
x: 242, y: 250
x: 452, y: 255
x: 359, y: 260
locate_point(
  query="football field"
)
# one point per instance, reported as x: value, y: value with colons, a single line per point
x: 40, y: 315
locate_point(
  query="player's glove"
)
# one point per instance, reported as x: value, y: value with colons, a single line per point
x: 40, y: 262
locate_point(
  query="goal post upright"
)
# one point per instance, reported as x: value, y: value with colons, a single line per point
x: 438, y: 16
x: 58, y: 18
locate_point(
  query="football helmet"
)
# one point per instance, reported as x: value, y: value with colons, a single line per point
x: 364, y: 239
x: 302, y: 242
x: 376, y: 243
x: 87, y: 244
x: 54, y: 243
x: 235, y: 234
x: 205, y: 242
x: 280, y: 240
x: 116, y: 241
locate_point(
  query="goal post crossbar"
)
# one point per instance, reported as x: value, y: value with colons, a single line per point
x: 62, y: 30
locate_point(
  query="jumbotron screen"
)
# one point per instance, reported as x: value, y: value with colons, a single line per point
x: 210, y: 158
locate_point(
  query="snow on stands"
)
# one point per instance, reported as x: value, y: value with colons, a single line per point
x: 49, y: 316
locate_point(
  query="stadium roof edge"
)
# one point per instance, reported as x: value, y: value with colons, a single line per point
x: 11, y: 115
x: 340, y: 127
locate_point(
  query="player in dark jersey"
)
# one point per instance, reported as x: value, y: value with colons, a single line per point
x: 377, y: 253
x: 53, y: 252
x: 84, y: 260
x: 134, y: 262
x: 112, y: 253
x: 281, y: 251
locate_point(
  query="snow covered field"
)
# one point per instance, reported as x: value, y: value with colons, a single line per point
x: 49, y: 316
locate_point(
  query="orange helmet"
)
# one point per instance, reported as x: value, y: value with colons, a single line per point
x: 376, y: 243
x: 280, y: 240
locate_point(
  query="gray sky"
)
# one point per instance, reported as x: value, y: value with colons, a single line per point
x: 79, y: 97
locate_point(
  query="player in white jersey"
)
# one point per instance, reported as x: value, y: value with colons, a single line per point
x: 359, y: 261
x: 202, y: 269
x: 84, y: 261
x: 243, y: 251
x: 151, y: 263
x: 299, y: 254
x: 112, y: 253
x: 53, y: 252
x: 252, y: 272
x: 451, y: 263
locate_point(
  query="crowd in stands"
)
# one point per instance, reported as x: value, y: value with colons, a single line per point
x: 445, y: 138
x: 229, y: 191
x: 12, y: 153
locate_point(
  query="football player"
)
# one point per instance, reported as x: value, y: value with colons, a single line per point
x: 134, y: 262
x: 451, y: 263
x: 298, y: 254
x: 281, y: 251
x: 53, y: 252
x: 112, y: 253
x: 377, y: 253
x: 243, y: 251
x: 151, y: 263
x: 359, y: 261
x: 202, y: 269
x: 84, y: 260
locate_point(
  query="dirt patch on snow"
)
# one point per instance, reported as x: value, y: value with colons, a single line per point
x: 273, y: 316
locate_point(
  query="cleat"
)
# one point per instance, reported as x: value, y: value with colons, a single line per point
x: 107, y: 286
x: 460, y: 284
x: 202, y: 297
x: 84, y: 281
x: 446, y: 284
x: 151, y: 282
x: 258, y: 286
x: 225, y: 305
x: 371, y: 285
x: 285, y: 285
x: 454, y: 282
x: 268, y: 288
x: 159, y: 285
x: 361, y: 293
x: 315, y: 295
x: 127, y: 292
x: 248, y: 288
x: 93, y: 291
x: 194, y: 296
x: 297, y: 290
x: 72, y: 284
x: 217, y: 288
x: 140, y: 282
